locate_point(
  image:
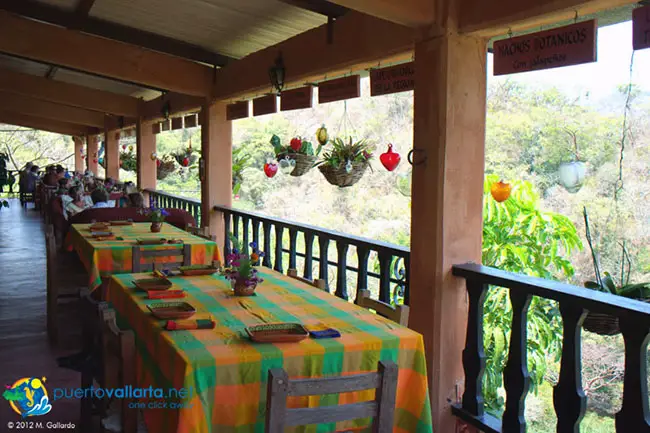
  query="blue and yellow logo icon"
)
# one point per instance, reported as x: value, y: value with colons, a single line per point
x: 28, y: 397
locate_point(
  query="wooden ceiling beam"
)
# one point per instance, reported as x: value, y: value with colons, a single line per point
x: 54, y: 45
x: 95, y: 26
x: 49, y: 110
x: 411, y: 13
x: 177, y: 103
x: 488, y: 19
x: 49, y: 125
x: 322, y: 7
x: 68, y: 94
x: 360, y: 41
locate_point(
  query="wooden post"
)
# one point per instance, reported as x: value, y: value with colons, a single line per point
x: 146, y: 144
x: 111, y: 153
x: 216, y: 184
x: 91, y: 153
x: 78, y: 148
x: 446, y: 225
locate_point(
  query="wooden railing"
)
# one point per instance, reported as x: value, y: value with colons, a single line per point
x: 569, y: 398
x: 350, y: 260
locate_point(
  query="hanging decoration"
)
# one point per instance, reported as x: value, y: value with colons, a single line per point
x: 298, y: 157
x: 154, y: 156
x: 124, y: 147
x: 500, y: 191
x: 390, y: 159
x: 166, y: 166
x: 186, y: 157
x: 322, y: 135
x: 572, y: 174
x: 270, y: 169
x: 277, y: 74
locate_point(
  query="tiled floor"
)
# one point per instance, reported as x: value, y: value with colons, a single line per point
x: 24, y: 347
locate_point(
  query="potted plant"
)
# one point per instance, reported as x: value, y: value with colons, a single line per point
x: 157, y: 217
x: 297, y: 158
x: 346, y: 162
x: 604, y: 324
x: 572, y: 173
x: 240, y: 268
x: 166, y: 166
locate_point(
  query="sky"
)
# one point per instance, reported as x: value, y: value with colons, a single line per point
x: 599, y: 78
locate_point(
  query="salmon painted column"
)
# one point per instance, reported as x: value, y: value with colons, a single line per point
x: 447, y: 197
x: 79, y: 165
x: 216, y: 183
x: 91, y: 153
x: 112, y: 153
x: 146, y: 145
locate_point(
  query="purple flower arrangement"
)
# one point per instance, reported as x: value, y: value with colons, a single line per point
x: 156, y: 215
x: 240, y: 266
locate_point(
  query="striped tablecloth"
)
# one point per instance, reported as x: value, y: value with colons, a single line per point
x: 107, y: 257
x: 226, y: 373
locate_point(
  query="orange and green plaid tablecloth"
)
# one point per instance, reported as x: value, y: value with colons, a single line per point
x: 106, y: 257
x: 226, y: 374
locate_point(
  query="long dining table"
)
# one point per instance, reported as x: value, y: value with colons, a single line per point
x: 102, y: 258
x: 224, y: 374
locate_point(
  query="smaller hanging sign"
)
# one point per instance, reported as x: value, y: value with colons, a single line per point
x: 641, y: 28
x: 339, y: 89
x: 394, y: 79
x: 265, y: 105
x: 164, y: 125
x: 155, y: 128
x: 177, y: 123
x: 238, y: 110
x: 296, y: 99
x: 191, y: 121
x: 564, y: 46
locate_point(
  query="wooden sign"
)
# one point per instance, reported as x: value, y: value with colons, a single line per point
x: 641, y: 28
x: 238, y: 110
x: 394, y: 79
x: 155, y: 128
x: 296, y: 99
x: 177, y: 123
x: 339, y: 89
x: 564, y: 46
x: 191, y: 121
x: 265, y: 105
x: 165, y: 125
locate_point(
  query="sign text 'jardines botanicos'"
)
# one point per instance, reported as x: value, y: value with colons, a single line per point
x: 564, y: 46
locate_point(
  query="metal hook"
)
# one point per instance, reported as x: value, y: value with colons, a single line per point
x: 409, y: 157
x: 575, y: 19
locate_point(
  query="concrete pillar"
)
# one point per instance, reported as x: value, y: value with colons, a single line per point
x: 112, y: 153
x: 79, y: 164
x: 91, y: 153
x: 146, y: 144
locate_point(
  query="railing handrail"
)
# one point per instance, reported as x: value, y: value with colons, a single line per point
x: 333, y: 235
x: 177, y: 197
x: 592, y: 300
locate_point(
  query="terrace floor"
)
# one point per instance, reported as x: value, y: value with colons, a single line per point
x: 24, y: 347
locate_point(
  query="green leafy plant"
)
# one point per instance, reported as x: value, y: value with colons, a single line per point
x: 343, y: 152
x: 306, y: 148
x: 239, y: 163
x: 518, y: 236
x: 128, y: 161
x: 607, y: 283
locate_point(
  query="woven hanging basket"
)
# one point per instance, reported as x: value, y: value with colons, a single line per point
x: 601, y: 324
x: 165, y: 169
x: 304, y: 163
x: 340, y: 177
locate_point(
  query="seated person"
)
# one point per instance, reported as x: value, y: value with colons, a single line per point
x: 64, y: 186
x: 136, y: 200
x: 110, y: 184
x: 74, y: 202
x: 60, y: 172
x: 50, y: 178
x: 28, y: 178
x: 129, y: 188
x: 100, y: 198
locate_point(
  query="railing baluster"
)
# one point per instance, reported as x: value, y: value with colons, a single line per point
x: 323, y: 247
x: 293, y: 236
x: 407, y: 292
x: 266, y: 226
x: 309, y: 255
x: 245, y: 220
x: 235, y: 226
x: 341, y: 270
x: 363, y: 253
x: 226, y: 224
x: 516, y: 379
x: 633, y: 416
x: 385, y: 260
x: 279, y: 234
x: 568, y: 397
x: 256, y: 232
x: 473, y: 354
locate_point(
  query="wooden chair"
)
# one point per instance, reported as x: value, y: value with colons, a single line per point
x: 382, y: 408
x: 399, y: 314
x: 184, y: 252
x: 319, y: 283
x: 202, y: 232
x: 118, y: 361
x: 65, y: 280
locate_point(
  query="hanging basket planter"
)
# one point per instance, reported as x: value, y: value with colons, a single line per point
x: 601, y: 324
x: 341, y: 177
x: 299, y: 156
x: 166, y: 167
x: 303, y: 163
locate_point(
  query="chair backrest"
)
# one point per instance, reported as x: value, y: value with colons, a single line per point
x: 319, y: 283
x: 51, y: 288
x: 118, y: 360
x: 382, y: 408
x: 201, y: 232
x: 184, y: 252
x: 399, y: 314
